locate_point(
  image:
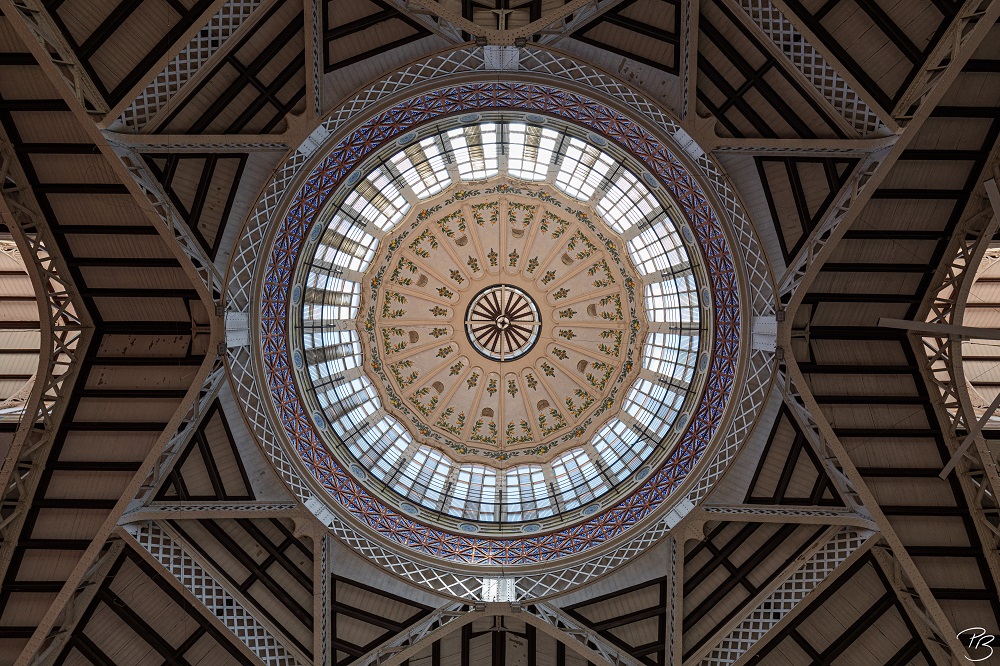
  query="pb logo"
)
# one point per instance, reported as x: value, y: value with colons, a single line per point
x: 977, y: 640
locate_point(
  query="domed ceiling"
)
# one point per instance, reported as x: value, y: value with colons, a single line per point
x: 500, y: 322
x: 541, y: 343
x: 210, y: 468
x: 518, y: 311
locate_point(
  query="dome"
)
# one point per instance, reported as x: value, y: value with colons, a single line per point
x: 500, y: 323
x: 449, y: 244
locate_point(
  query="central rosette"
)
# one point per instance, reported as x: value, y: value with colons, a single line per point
x: 503, y: 322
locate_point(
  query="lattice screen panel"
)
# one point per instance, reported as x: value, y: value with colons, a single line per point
x: 212, y: 594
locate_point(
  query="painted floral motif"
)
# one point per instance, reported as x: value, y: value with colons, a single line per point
x: 393, y: 297
x: 486, y: 212
x: 397, y: 275
x: 526, y: 210
x: 472, y: 381
x: 494, y: 258
x: 561, y: 354
x: 600, y: 380
x: 387, y: 343
x: 438, y: 332
x: 556, y: 223
x: 417, y: 246
x: 491, y: 387
x: 512, y: 259
x: 611, y: 350
x: 557, y: 424
x: 444, y: 352
x: 484, y: 432
x: 577, y: 409
x: 473, y: 264
x: 602, y: 267
x: 532, y: 265
x: 548, y: 277
x: 427, y: 212
x: 560, y: 293
x: 397, y: 370
x: 456, y: 276
x: 438, y: 311
x: 455, y: 369
x: 578, y: 238
x: 511, y: 387
x: 616, y: 313
x: 444, y: 421
x: 445, y: 292
x: 531, y: 381
x: 548, y: 370
x: 522, y: 438
x: 568, y: 313
x: 445, y: 223
x: 415, y: 400
x: 566, y: 333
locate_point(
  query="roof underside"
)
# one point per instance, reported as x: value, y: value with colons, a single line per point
x: 859, y: 135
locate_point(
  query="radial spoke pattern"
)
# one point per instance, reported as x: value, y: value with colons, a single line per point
x: 503, y: 323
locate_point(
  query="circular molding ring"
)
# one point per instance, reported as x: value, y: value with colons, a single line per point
x: 261, y: 272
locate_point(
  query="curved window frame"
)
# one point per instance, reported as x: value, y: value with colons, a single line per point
x: 559, y: 154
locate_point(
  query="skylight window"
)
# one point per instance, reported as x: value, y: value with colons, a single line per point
x: 422, y: 166
x: 582, y: 170
x: 475, y: 151
x: 474, y: 494
x: 577, y: 478
x: 376, y: 200
x: 346, y: 245
x: 428, y: 178
x: 658, y: 249
x: 527, y: 495
x: 423, y: 479
x: 531, y: 151
x: 628, y: 203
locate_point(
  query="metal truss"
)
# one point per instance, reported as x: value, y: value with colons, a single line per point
x: 213, y: 511
x: 43, y: 30
x: 166, y: 455
x: 201, y: 143
x: 66, y: 331
x: 448, y: 619
x: 841, y: 213
x: 80, y: 601
x: 966, y: 34
x: 422, y: 634
x: 584, y: 10
x: 852, y: 488
x: 690, y: 11
x: 807, y: 63
x: 955, y: 46
x: 147, y: 194
x: 561, y: 626
x: 579, y: 19
x: 802, y: 515
x: 225, y: 605
x: 941, y: 353
x: 182, y: 426
x: 899, y: 583
x: 321, y: 600
x: 136, y: 112
x: 165, y: 213
x: 797, y: 581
